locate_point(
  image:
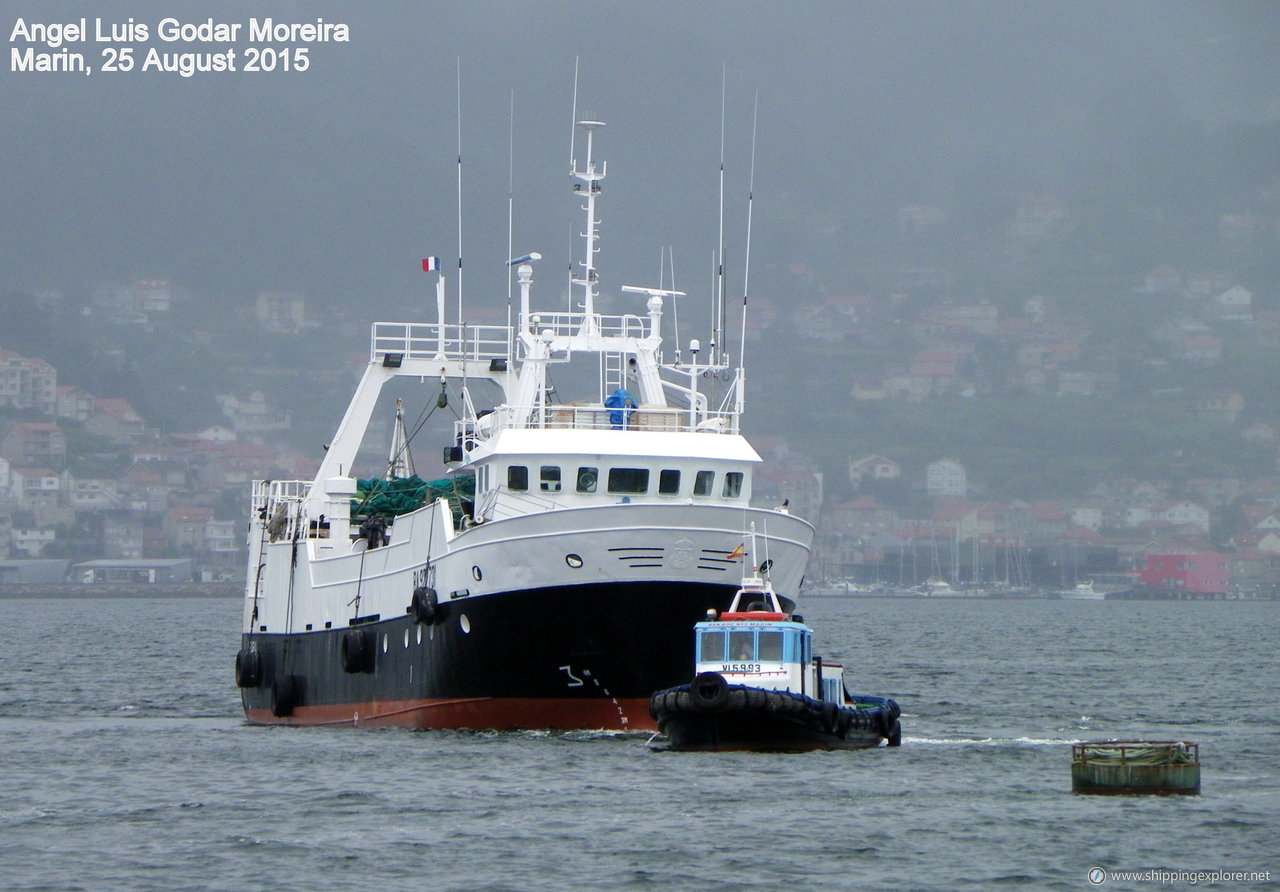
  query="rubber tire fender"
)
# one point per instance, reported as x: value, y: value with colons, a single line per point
x: 357, y: 651
x: 830, y: 714
x: 894, y: 737
x: 654, y: 700
x: 425, y: 605
x: 708, y: 691
x: 248, y: 669
x: 284, y: 695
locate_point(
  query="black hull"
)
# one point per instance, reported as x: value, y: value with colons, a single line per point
x: 565, y: 658
x: 719, y: 717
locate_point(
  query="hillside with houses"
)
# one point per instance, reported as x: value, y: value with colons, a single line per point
x: 1021, y: 405
x: 1004, y: 406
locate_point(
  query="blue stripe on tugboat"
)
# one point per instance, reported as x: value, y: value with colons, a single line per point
x: 758, y: 686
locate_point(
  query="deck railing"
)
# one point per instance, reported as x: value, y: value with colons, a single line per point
x: 595, y: 417
x: 1137, y: 752
x: 414, y: 340
x: 565, y: 325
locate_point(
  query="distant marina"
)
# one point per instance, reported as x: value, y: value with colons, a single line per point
x: 70, y: 590
x: 234, y: 589
x: 934, y: 589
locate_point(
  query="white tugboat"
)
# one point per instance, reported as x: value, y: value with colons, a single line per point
x: 550, y: 581
x: 759, y: 686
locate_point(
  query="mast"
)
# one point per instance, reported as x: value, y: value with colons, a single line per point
x: 400, y: 460
x: 590, y: 178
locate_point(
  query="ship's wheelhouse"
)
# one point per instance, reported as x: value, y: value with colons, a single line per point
x: 773, y: 643
x: 773, y: 655
x: 526, y: 471
x: 615, y: 476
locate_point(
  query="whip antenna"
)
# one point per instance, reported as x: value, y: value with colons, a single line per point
x: 717, y: 308
x: 459, y: 100
x: 675, y: 305
x: 511, y: 188
x: 573, y: 118
x: 746, y: 271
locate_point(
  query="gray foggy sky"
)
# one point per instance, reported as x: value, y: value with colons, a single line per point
x: 338, y: 179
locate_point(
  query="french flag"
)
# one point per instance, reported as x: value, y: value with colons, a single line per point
x: 430, y: 264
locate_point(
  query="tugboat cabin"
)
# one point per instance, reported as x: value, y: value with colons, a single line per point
x: 756, y: 643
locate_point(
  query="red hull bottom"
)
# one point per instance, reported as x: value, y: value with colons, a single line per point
x: 481, y: 713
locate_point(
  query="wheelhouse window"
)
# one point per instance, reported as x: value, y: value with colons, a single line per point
x: 711, y: 647
x: 631, y: 481
x: 703, y: 483
x: 733, y: 484
x: 518, y: 478
x: 769, y: 647
x: 588, y: 478
x: 669, y: 482
x: 742, y: 646
x: 550, y: 478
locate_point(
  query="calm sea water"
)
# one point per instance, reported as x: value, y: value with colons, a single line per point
x: 125, y: 765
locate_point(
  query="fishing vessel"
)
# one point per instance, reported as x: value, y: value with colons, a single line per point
x: 759, y: 686
x: 549, y: 579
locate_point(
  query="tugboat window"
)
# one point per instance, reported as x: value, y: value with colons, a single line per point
x: 550, y: 481
x: 518, y: 478
x: 770, y: 647
x: 669, y: 482
x: 703, y: 483
x: 711, y: 647
x: 733, y: 484
x: 629, y: 480
x: 587, y: 478
x: 742, y: 646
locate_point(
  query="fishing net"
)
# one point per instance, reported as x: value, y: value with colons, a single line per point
x: 400, y: 495
x: 1142, y: 753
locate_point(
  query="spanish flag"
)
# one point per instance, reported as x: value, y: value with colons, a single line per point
x: 738, y: 552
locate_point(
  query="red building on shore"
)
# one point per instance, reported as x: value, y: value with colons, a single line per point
x: 1201, y: 573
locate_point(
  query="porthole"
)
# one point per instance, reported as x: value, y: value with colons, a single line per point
x: 573, y: 560
x: 765, y: 566
x: 475, y: 571
x: 386, y: 642
x: 419, y: 632
x: 465, y: 624
x: 406, y: 638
